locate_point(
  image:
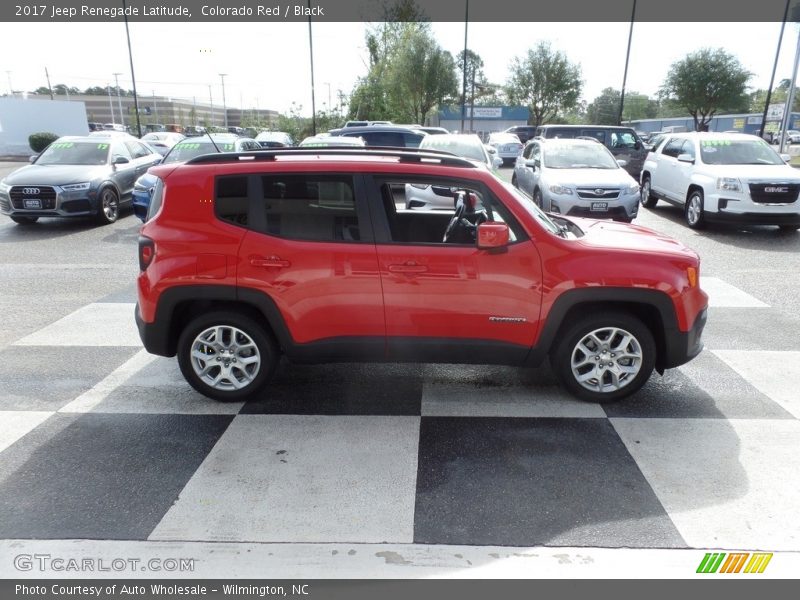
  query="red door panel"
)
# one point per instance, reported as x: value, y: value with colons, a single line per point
x: 323, y: 289
x: 461, y: 292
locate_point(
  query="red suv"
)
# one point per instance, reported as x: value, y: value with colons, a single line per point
x: 311, y: 254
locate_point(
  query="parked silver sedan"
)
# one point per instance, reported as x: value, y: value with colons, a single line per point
x: 576, y: 177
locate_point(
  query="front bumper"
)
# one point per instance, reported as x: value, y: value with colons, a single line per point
x: 753, y: 218
x: 682, y: 346
x: 625, y: 207
x: 65, y: 204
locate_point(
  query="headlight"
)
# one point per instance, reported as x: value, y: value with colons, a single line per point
x: 561, y: 190
x: 632, y: 189
x: 77, y: 187
x: 3, y: 186
x: 729, y: 184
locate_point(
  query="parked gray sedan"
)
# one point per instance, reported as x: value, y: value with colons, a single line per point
x: 576, y: 177
x: 77, y: 177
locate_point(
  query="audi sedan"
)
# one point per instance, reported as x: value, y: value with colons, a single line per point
x: 77, y: 177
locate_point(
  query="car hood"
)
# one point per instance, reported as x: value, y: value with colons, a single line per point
x: 590, y: 177
x: 755, y: 172
x: 624, y: 236
x: 56, y: 174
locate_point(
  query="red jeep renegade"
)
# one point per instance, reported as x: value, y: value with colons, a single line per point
x: 324, y: 255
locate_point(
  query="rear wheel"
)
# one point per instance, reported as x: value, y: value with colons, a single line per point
x: 227, y: 356
x: 694, y: 210
x: 24, y: 220
x: 604, y: 357
x: 648, y: 200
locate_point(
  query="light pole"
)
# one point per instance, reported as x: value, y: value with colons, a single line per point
x: 119, y: 99
x: 464, y: 67
x: 311, y: 57
x: 10, y: 89
x: 211, y: 102
x: 627, y: 58
x: 110, y: 104
x: 224, y: 106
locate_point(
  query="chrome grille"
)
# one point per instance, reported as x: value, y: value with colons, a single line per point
x: 45, y: 193
x: 598, y: 193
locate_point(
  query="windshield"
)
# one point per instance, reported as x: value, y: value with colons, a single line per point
x: 530, y: 207
x: 738, y: 152
x: 183, y: 151
x: 75, y: 153
x: 578, y: 156
x: 458, y: 147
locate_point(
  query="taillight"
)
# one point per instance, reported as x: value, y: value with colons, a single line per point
x: 147, y: 252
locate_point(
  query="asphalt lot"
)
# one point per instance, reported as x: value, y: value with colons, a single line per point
x: 391, y: 470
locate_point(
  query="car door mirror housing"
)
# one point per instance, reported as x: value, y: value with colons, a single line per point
x: 497, y: 162
x: 686, y: 158
x: 492, y: 235
x: 532, y: 163
x: 120, y: 160
x: 622, y: 163
x: 32, y: 158
x: 786, y: 157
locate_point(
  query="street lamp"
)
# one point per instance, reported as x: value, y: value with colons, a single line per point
x: 119, y: 100
x: 224, y: 107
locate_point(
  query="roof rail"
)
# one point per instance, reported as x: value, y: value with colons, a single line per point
x: 407, y: 155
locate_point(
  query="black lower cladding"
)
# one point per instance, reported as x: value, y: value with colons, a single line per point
x: 101, y: 476
x: 341, y: 389
x: 753, y: 218
x: 527, y: 482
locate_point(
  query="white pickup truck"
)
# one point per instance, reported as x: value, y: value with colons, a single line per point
x: 723, y: 177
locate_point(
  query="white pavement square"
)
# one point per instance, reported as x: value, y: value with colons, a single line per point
x: 96, y: 324
x: 282, y: 478
x: 773, y: 373
x: 724, y: 484
x: 16, y: 424
x: 722, y: 294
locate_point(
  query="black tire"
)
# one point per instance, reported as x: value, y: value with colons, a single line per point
x: 108, y: 206
x: 264, y: 342
x: 693, y: 210
x: 647, y: 198
x: 561, y: 356
x: 514, y: 181
x: 537, y: 198
x: 24, y: 220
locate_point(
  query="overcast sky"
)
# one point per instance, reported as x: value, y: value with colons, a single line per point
x: 268, y: 64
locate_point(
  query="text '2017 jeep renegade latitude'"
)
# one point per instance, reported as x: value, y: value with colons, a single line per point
x: 312, y: 254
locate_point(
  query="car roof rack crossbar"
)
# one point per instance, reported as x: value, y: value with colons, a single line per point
x: 409, y: 155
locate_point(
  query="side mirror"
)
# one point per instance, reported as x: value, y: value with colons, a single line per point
x: 686, y: 158
x: 492, y: 235
x: 638, y: 145
x: 622, y: 163
x: 32, y: 158
x: 497, y: 162
x: 120, y: 160
x: 786, y: 157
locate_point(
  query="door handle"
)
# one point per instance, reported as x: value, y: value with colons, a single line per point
x: 274, y: 262
x: 409, y: 267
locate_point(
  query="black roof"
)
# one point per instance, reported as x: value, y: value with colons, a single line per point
x: 376, y: 129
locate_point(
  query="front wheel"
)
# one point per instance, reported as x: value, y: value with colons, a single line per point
x: 537, y: 197
x: 108, y: 211
x: 694, y: 210
x: 647, y: 198
x: 604, y: 357
x: 227, y: 356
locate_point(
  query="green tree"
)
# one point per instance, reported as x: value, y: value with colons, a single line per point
x: 705, y: 82
x: 420, y: 76
x: 604, y: 109
x: 545, y: 81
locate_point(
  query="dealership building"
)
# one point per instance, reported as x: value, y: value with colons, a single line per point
x: 482, y: 120
x: 745, y: 123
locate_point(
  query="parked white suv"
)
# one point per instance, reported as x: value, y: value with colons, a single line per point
x: 723, y: 177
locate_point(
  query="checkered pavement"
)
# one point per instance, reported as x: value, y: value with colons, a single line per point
x: 101, y: 441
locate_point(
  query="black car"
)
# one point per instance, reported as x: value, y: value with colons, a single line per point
x: 523, y: 132
x: 384, y: 135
